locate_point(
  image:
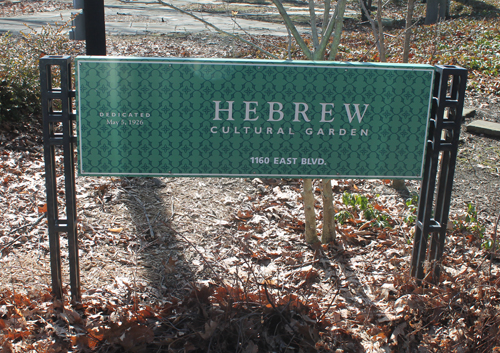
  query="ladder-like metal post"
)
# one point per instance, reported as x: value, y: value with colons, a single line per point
x: 439, y: 170
x: 59, y: 132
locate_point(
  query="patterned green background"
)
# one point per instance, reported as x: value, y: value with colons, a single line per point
x: 178, y: 95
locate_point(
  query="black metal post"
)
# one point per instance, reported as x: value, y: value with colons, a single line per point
x: 95, y: 29
x: 440, y: 161
x: 59, y: 130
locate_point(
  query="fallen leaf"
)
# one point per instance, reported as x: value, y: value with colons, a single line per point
x: 209, y: 330
x: 170, y: 265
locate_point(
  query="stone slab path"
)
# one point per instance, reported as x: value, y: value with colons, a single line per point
x: 150, y: 17
x: 484, y: 127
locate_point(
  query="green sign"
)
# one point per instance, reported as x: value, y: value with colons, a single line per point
x: 249, y: 118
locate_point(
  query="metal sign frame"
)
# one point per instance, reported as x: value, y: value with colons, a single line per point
x: 251, y: 118
x: 435, y: 192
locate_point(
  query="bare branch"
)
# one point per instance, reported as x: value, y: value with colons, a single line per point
x: 494, y: 244
x: 320, y: 52
x: 339, y: 23
x: 372, y: 23
x: 217, y: 28
x: 326, y: 14
x: 314, y: 30
x: 289, y: 44
x: 29, y: 226
x: 293, y: 29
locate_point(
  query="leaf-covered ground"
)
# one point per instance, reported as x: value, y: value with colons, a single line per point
x: 220, y: 265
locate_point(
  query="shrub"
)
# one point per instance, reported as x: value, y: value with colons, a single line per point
x: 19, y: 71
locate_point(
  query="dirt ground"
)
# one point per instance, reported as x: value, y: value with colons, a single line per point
x: 154, y: 239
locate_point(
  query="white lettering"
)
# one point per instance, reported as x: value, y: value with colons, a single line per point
x: 342, y: 132
x: 272, y: 111
x: 248, y: 111
x: 364, y: 132
x: 213, y: 130
x: 356, y: 109
x: 301, y: 112
x: 312, y: 161
x: 309, y: 131
x: 228, y: 110
x: 320, y: 132
x: 124, y: 115
x: 280, y: 131
x: 324, y: 112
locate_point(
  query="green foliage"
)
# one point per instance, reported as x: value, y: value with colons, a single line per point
x: 382, y: 220
x: 354, y: 200
x: 19, y: 72
x: 472, y: 223
x: 343, y: 216
x: 411, y: 209
x: 360, y: 203
x: 472, y: 227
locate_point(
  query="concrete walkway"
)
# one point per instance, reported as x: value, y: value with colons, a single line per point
x: 150, y: 17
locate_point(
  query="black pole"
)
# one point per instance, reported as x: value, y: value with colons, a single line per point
x: 95, y: 30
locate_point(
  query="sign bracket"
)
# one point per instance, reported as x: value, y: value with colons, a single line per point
x: 435, y: 191
x: 442, y: 147
x: 59, y: 133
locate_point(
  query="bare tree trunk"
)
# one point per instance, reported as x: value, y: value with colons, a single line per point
x: 308, y: 196
x: 380, y: 32
x: 436, y: 10
x: 399, y: 184
x: 328, y: 235
x: 409, y: 19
